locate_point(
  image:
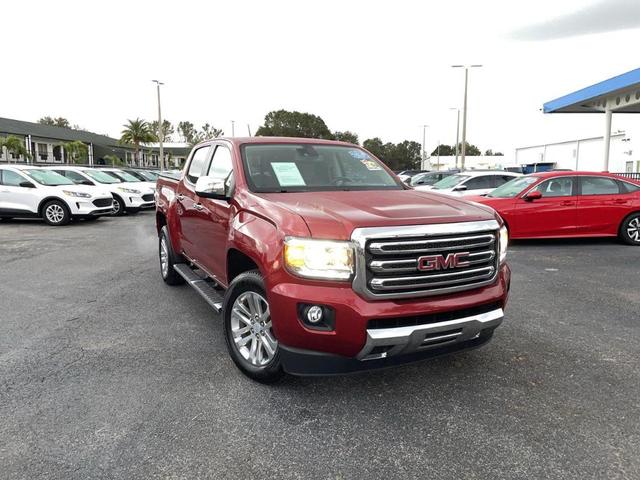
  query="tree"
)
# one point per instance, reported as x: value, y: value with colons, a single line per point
x: 209, y: 131
x: 376, y: 147
x: 55, y: 122
x: 489, y: 153
x: 188, y: 133
x: 444, y: 151
x: 403, y: 156
x: 346, y: 136
x: 76, y: 151
x: 282, y: 123
x: 136, y: 132
x: 471, y: 150
x: 167, y: 130
x: 114, y: 160
x: 15, y: 147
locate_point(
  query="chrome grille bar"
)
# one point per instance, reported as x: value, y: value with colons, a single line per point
x: 439, y: 279
x: 391, y: 248
x: 411, y: 265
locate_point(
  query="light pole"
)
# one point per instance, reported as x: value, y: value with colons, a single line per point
x: 464, y: 111
x: 233, y: 128
x: 160, y: 129
x: 424, y: 139
x: 457, y: 133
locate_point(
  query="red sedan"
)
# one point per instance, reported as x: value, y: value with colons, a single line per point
x: 568, y: 204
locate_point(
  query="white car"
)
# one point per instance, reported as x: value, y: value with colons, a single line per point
x: 471, y: 182
x: 37, y: 192
x: 127, y: 196
x: 128, y: 177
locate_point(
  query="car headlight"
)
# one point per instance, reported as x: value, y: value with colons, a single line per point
x: 129, y: 190
x: 70, y: 193
x: 323, y: 259
x: 504, y: 241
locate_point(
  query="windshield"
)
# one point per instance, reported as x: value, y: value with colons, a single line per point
x: 124, y: 176
x: 512, y: 187
x: 47, y: 177
x: 147, y: 176
x: 310, y: 168
x: 101, y: 177
x: 449, y: 182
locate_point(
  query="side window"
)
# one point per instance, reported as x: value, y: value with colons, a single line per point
x: 75, y: 177
x: 198, y: 161
x: 221, y: 164
x: 630, y: 187
x: 11, y: 179
x: 477, y: 183
x: 599, y: 186
x: 556, y: 187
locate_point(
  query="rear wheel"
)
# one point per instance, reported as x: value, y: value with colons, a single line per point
x: 118, y: 206
x: 630, y: 230
x: 248, y: 329
x: 168, y: 259
x: 56, y: 213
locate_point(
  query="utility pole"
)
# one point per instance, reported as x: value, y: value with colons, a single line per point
x: 249, y: 129
x: 424, y: 140
x: 457, y: 133
x: 233, y: 128
x: 160, y: 129
x: 464, y: 112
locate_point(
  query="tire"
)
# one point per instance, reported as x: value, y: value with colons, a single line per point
x: 168, y: 259
x: 630, y: 230
x: 56, y: 213
x: 250, y: 340
x: 119, y: 208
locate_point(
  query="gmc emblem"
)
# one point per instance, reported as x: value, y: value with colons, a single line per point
x: 440, y: 262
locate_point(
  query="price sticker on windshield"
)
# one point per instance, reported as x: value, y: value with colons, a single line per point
x: 288, y: 174
x: 371, y: 165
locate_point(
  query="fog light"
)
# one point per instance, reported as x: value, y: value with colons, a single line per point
x: 314, y: 314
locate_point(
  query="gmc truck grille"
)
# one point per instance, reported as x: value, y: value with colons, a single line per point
x: 428, y: 260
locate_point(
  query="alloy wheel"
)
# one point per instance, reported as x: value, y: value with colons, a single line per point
x: 164, y: 258
x: 251, y: 329
x: 54, y: 213
x: 633, y: 229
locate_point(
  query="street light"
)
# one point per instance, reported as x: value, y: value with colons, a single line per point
x: 424, y: 138
x: 160, y: 132
x: 457, y: 132
x: 464, y: 111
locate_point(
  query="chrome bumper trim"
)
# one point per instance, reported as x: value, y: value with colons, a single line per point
x: 401, y: 340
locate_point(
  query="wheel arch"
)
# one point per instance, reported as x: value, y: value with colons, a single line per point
x: 626, y: 217
x: 48, y: 199
x: 239, y: 262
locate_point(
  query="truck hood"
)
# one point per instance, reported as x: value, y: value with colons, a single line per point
x: 335, y: 215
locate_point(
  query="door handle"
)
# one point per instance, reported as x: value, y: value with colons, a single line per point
x: 198, y: 206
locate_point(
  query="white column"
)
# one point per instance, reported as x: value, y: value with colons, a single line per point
x: 607, y: 137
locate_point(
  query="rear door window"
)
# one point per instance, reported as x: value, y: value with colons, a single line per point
x: 599, y: 186
x: 479, y: 183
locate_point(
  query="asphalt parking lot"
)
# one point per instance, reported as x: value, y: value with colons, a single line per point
x: 105, y: 372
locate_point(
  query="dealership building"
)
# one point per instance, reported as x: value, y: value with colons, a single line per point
x: 45, y: 146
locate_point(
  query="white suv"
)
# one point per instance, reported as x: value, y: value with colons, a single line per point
x: 127, y: 196
x: 37, y: 192
x: 471, y: 182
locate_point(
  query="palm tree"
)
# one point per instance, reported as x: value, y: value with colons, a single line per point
x: 136, y: 132
x: 14, y: 146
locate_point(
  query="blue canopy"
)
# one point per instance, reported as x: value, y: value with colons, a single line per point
x: 622, y: 94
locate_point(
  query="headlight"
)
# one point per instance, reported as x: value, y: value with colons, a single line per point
x: 69, y: 193
x: 129, y: 190
x: 324, y: 259
x: 504, y: 240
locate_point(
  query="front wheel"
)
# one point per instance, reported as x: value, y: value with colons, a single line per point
x: 118, y: 206
x: 56, y: 213
x: 248, y: 329
x: 630, y: 230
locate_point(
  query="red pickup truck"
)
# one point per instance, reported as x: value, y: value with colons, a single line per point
x: 322, y: 261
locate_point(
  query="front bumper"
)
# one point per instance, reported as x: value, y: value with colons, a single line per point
x: 371, y: 334
x: 137, y: 201
x: 82, y: 207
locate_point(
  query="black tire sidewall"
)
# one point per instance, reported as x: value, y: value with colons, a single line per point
x: 67, y: 215
x: 248, y: 281
x: 623, y: 230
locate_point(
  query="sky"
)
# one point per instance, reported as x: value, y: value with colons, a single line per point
x: 376, y: 68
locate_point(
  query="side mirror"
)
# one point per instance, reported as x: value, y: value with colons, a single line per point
x: 209, y: 187
x: 26, y: 184
x: 534, y: 195
x: 460, y: 188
